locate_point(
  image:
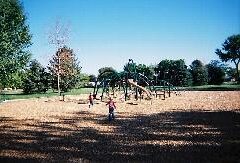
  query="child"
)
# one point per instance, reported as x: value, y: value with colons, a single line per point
x: 90, y: 98
x: 111, y: 106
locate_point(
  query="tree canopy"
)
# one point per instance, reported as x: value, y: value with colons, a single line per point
x: 106, y: 72
x: 231, y: 51
x: 173, y: 70
x: 66, y: 64
x: 216, y: 72
x: 37, y: 79
x: 199, y: 73
x: 14, y: 39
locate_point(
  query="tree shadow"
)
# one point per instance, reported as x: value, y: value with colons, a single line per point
x: 177, y: 136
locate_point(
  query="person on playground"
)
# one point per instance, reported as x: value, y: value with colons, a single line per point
x: 90, y: 99
x: 112, y: 107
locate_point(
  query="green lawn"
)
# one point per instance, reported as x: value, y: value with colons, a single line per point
x: 222, y: 87
x: 9, y: 95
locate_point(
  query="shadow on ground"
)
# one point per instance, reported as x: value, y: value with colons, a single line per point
x: 165, y: 137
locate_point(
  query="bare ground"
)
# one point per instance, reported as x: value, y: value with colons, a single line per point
x: 192, y: 127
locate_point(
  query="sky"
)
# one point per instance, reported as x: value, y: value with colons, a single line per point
x: 109, y: 32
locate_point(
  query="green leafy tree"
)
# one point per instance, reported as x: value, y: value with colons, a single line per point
x: 133, y: 69
x: 106, y: 72
x: 92, y: 78
x: 145, y: 70
x: 84, y: 80
x: 17, y: 79
x: 37, y: 80
x: 230, y: 73
x: 130, y: 67
x: 66, y: 64
x: 175, y: 71
x: 199, y: 73
x: 216, y: 72
x: 14, y: 40
x: 189, y: 78
x: 231, y: 51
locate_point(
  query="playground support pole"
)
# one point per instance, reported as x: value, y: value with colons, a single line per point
x: 126, y: 90
x: 136, y: 94
x: 102, y: 94
x: 169, y: 93
x: 95, y: 86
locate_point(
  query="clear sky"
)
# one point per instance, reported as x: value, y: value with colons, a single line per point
x: 109, y: 32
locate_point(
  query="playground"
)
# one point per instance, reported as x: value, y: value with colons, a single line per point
x: 181, y: 127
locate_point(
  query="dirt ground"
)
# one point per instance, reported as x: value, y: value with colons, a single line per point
x: 191, y: 127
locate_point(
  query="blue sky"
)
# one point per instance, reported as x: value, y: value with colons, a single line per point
x: 109, y: 32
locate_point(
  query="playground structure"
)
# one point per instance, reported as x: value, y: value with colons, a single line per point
x: 130, y: 82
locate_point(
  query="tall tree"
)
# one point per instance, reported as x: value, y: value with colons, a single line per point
x: 216, y: 72
x: 199, y: 73
x: 58, y: 36
x: 14, y: 39
x: 65, y: 64
x: 231, y: 51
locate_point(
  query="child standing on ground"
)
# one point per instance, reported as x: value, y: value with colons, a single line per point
x: 111, y: 106
x: 90, y: 99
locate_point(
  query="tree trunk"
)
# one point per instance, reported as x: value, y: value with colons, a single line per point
x: 238, y: 79
x: 236, y: 64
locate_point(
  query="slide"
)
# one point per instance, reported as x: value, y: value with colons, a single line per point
x: 130, y: 81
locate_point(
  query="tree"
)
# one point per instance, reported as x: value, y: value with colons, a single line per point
x: 14, y: 39
x: 106, y: 72
x: 17, y: 79
x: 37, y: 80
x: 175, y: 71
x: 216, y: 72
x: 231, y: 51
x: 199, y: 73
x: 145, y: 70
x: 65, y: 64
x: 230, y: 73
x: 58, y: 36
x: 92, y: 78
x: 84, y: 80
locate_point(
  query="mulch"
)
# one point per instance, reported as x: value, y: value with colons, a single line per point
x: 196, y: 126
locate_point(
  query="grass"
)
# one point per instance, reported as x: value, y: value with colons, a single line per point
x: 10, y: 95
x: 222, y: 87
x: 18, y: 94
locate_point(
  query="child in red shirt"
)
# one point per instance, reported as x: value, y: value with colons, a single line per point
x: 90, y: 99
x: 111, y: 106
